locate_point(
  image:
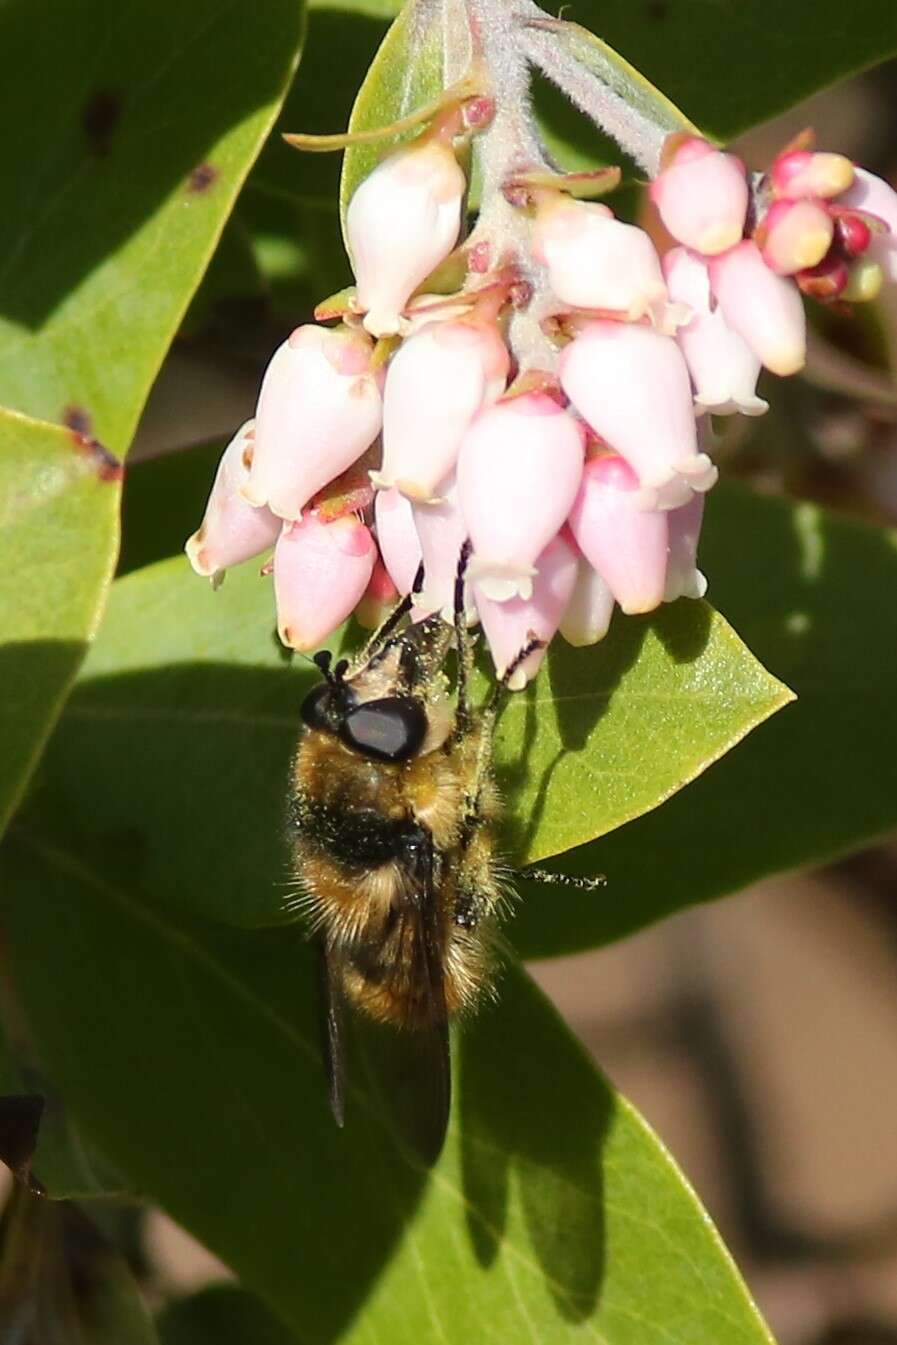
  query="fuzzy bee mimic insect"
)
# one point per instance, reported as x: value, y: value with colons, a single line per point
x: 392, y: 816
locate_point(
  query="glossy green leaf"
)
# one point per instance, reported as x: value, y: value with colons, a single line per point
x: 189, y: 687
x: 129, y: 132
x: 59, y: 499
x: 222, y: 1315
x: 191, y: 1054
x: 813, y: 596
x: 65, y: 1165
x: 729, y: 65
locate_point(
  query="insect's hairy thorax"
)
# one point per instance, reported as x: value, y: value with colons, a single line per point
x: 370, y: 839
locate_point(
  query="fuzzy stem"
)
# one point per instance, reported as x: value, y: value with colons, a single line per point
x: 637, y: 134
x: 510, y: 144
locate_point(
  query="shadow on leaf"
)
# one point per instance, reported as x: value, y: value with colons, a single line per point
x: 513, y: 1149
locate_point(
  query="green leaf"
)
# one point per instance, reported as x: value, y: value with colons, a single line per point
x: 130, y: 131
x: 59, y: 498
x: 222, y: 1315
x: 729, y: 65
x: 190, y: 688
x: 812, y: 594
x: 66, y: 1166
x: 191, y: 1054
x: 406, y: 73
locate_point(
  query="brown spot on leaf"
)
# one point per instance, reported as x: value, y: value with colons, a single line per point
x: 202, y: 177
x: 105, y: 464
x: 77, y: 418
x: 101, y: 115
x: 656, y: 11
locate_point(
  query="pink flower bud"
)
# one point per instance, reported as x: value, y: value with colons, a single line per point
x: 401, y: 223
x: 509, y: 626
x: 378, y: 599
x: 518, y: 472
x: 723, y: 369
x: 436, y: 383
x: 626, y: 545
x: 596, y: 261
x: 803, y: 172
x: 232, y: 530
x: 442, y: 531
x: 765, y: 309
x: 397, y: 538
x: 321, y: 571
x: 632, y: 386
x: 872, y: 195
x: 702, y: 197
x: 588, y: 615
x: 319, y: 409
x: 852, y: 234
x: 798, y: 234
x: 684, y: 579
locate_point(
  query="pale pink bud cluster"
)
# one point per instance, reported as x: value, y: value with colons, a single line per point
x: 825, y: 223
x: 751, y: 313
x: 419, y: 429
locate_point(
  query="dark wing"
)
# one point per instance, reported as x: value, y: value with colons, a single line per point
x: 333, y: 1047
x: 409, y: 1069
x: 428, y: 1043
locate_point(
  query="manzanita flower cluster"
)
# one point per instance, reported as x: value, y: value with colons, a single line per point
x: 549, y: 401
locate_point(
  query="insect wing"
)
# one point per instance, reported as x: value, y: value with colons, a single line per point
x: 333, y: 1036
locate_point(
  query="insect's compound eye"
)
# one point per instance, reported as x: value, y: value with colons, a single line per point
x: 390, y: 729
x: 325, y: 706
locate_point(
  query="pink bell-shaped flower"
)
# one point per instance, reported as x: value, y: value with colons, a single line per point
x: 796, y: 234
x: 702, y: 197
x: 402, y: 222
x: 442, y: 531
x: 232, y: 530
x: 802, y: 172
x: 871, y: 194
x: 632, y: 386
x: 764, y: 309
x: 510, y: 626
x: 397, y: 538
x: 596, y: 261
x: 588, y: 615
x: 723, y: 369
x: 436, y: 383
x: 319, y: 409
x: 684, y: 579
x: 321, y: 571
x: 518, y: 473
x: 627, y: 545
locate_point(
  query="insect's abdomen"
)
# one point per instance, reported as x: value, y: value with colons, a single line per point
x: 352, y: 826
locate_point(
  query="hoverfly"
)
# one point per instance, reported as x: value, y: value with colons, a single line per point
x: 392, y: 819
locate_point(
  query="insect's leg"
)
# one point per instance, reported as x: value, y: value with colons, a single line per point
x: 562, y: 879
x: 463, y: 641
x: 396, y: 616
x: 486, y: 727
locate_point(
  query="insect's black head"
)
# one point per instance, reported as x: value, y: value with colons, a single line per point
x: 326, y: 705
x: 388, y: 728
